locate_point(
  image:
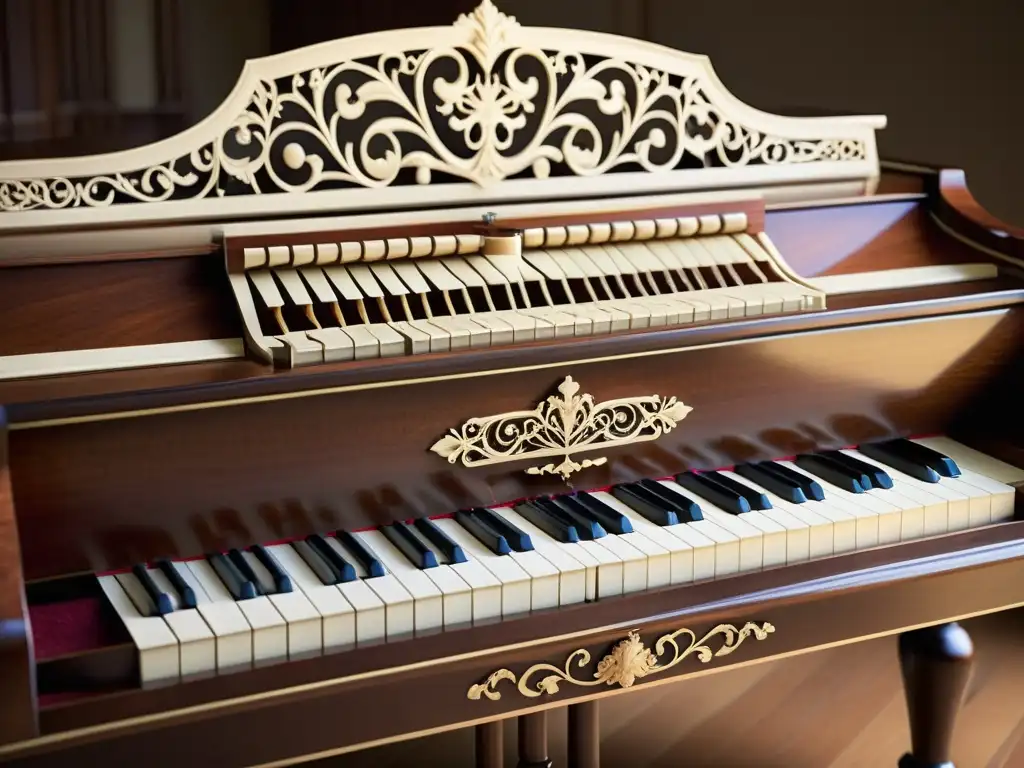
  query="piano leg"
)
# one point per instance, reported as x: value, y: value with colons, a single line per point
x: 533, y: 741
x: 490, y: 748
x: 936, y: 665
x: 584, y: 735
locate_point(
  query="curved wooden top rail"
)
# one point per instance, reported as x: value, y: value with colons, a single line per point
x: 492, y: 110
x: 959, y: 211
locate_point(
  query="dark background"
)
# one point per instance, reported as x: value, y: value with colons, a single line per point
x: 79, y: 76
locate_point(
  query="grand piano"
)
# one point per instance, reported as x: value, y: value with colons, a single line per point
x: 449, y: 375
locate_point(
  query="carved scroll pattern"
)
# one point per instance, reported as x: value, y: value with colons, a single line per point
x: 564, y: 424
x: 628, y: 661
x: 480, y: 113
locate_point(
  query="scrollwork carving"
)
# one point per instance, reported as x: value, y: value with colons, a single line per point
x: 628, y: 661
x: 480, y: 111
x: 563, y: 424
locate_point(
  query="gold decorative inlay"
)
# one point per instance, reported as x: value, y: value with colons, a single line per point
x: 562, y: 425
x: 628, y: 661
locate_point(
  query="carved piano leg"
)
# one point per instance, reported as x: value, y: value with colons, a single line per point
x: 936, y: 665
x: 490, y: 746
x: 533, y: 741
x: 584, y: 735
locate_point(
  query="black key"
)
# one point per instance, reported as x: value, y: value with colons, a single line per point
x: 713, y: 491
x: 343, y: 570
x: 834, y: 473
x: 367, y: 557
x: 754, y: 497
x: 587, y: 527
x: 318, y: 565
x: 879, y: 477
x: 686, y: 508
x: 452, y: 552
x: 554, y: 525
x: 161, y: 600
x: 186, y: 595
x: 781, y: 486
x: 401, y: 535
x: 942, y: 464
x: 239, y: 587
x: 239, y: 561
x: 645, y: 503
x: 584, y: 504
x: 886, y: 453
x: 812, y: 488
x: 282, y: 581
x: 517, y: 539
x: 483, y: 533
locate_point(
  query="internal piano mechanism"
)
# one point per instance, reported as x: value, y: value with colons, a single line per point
x: 325, y: 301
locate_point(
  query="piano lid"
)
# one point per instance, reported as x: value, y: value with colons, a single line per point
x: 483, y: 111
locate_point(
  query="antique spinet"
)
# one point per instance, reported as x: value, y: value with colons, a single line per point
x: 448, y: 375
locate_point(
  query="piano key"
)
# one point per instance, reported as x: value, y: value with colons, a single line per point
x: 586, y: 526
x: 941, y: 463
x: 428, y: 600
x: 303, y: 622
x: 338, y: 618
x: 686, y: 508
x: 752, y: 539
x: 365, y: 345
x: 186, y: 595
x: 337, y: 345
x: 232, y: 633
x: 156, y: 644
x: 645, y: 503
x: 834, y: 472
x: 417, y: 342
x: 399, y: 605
x: 883, y: 453
x: 239, y: 587
x: 554, y: 525
x: 757, y: 500
x: 452, y: 552
x: 875, y: 474
x: 577, y: 580
x: 390, y: 343
x: 681, y: 553
x: 280, y: 579
x: 485, y: 589
x: 610, y: 519
x: 811, y: 488
x: 974, y: 460
x: 779, y: 484
x: 516, y: 590
x: 517, y: 539
x: 725, y: 497
x: 331, y: 558
x: 483, y: 532
x: 797, y: 532
x: 161, y: 601
x: 406, y: 543
x: 197, y: 646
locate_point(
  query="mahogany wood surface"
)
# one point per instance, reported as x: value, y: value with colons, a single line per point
x: 533, y: 741
x: 957, y: 208
x: 806, y: 614
x: 584, y: 735
x: 255, y: 470
x: 936, y: 666
x: 490, y: 745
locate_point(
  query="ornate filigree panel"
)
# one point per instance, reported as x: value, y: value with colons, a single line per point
x: 481, y: 105
x: 562, y: 425
x: 627, y: 662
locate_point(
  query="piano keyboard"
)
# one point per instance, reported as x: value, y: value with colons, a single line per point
x: 324, y: 593
x: 408, y: 296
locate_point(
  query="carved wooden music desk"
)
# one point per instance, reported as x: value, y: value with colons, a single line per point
x: 448, y: 375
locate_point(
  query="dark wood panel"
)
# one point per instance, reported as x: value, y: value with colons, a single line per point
x: 115, y: 304
x: 239, y: 734
x: 862, y: 238
x: 189, y: 482
x: 962, y: 212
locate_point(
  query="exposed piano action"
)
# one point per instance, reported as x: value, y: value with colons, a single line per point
x: 523, y: 367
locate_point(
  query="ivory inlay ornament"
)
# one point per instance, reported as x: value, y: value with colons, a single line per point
x: 484, y: 100
x: 562, y: 425
x: 627, y: 662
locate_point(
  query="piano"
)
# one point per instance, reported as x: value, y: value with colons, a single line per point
x: 450, y: 375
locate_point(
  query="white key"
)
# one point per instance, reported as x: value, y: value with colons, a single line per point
x: 428, y: 603
x: 305, y: 625
x: 217, y: 607
x: 196, y: 642
x: 269, y: 630
x: 752, y: 539
x: 683, y: 554
x: 932, y: 516
x: 515, y: 582
x: 649, y: 565
x: 399, y: 611
x: 157, y: 645
x: 797, y: 532
x: 572, y: 560
x: 456, y: 595
x: 976, y: 461
x: 866, y: 508
x: 371, y: 612
x: 1001, y: 496
x: 337, y: 615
